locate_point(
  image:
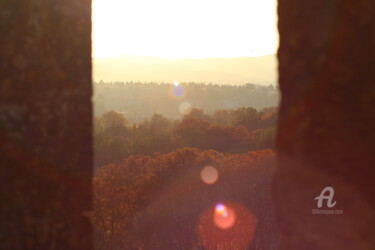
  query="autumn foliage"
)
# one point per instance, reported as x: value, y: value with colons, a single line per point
x: 156, y: 202
x: 226, y: 131
x: 150, y: 191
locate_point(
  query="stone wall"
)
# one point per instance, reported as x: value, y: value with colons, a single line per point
x: 327, y: 118
x: 45, y: 124
x: 325, y: 133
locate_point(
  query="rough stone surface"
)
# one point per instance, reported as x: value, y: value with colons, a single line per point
x: 327, y: 119
x: 45, y: 124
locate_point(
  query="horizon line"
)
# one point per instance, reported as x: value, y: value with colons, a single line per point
x: 177, y: 58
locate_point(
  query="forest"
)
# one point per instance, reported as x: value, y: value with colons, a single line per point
x: 160, y: 202
x: 197, y: 180
x: 140, y: 100
x: 226, y: 131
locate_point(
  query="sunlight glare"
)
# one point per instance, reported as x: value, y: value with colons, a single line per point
x: 184, y: 29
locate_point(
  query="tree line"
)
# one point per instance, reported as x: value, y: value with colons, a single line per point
x: 139, y: 100
x: 227, y: 131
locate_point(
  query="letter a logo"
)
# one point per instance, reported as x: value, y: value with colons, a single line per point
x: 328, y: 197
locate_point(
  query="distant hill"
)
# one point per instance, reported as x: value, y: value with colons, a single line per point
x: 138, y: 100
x: 240, y: 70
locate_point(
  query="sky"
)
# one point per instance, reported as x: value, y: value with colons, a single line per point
x: 184, y: 28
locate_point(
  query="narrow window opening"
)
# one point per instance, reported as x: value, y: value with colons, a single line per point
x: 185, y: 103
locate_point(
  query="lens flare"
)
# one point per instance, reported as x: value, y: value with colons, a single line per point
x: 177, y: 91
x: 224, y: 217
x: 185, y: 108
x: 226, y: 225
x: 219, y: 208
x: 209, y: 175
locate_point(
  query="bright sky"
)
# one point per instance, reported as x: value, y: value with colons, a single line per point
x: 184, y: 28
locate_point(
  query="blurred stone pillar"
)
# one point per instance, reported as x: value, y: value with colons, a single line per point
x: 45, y: 124
x: 326, y: 131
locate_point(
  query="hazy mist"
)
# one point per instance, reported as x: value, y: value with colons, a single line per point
x: 241, y: 70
